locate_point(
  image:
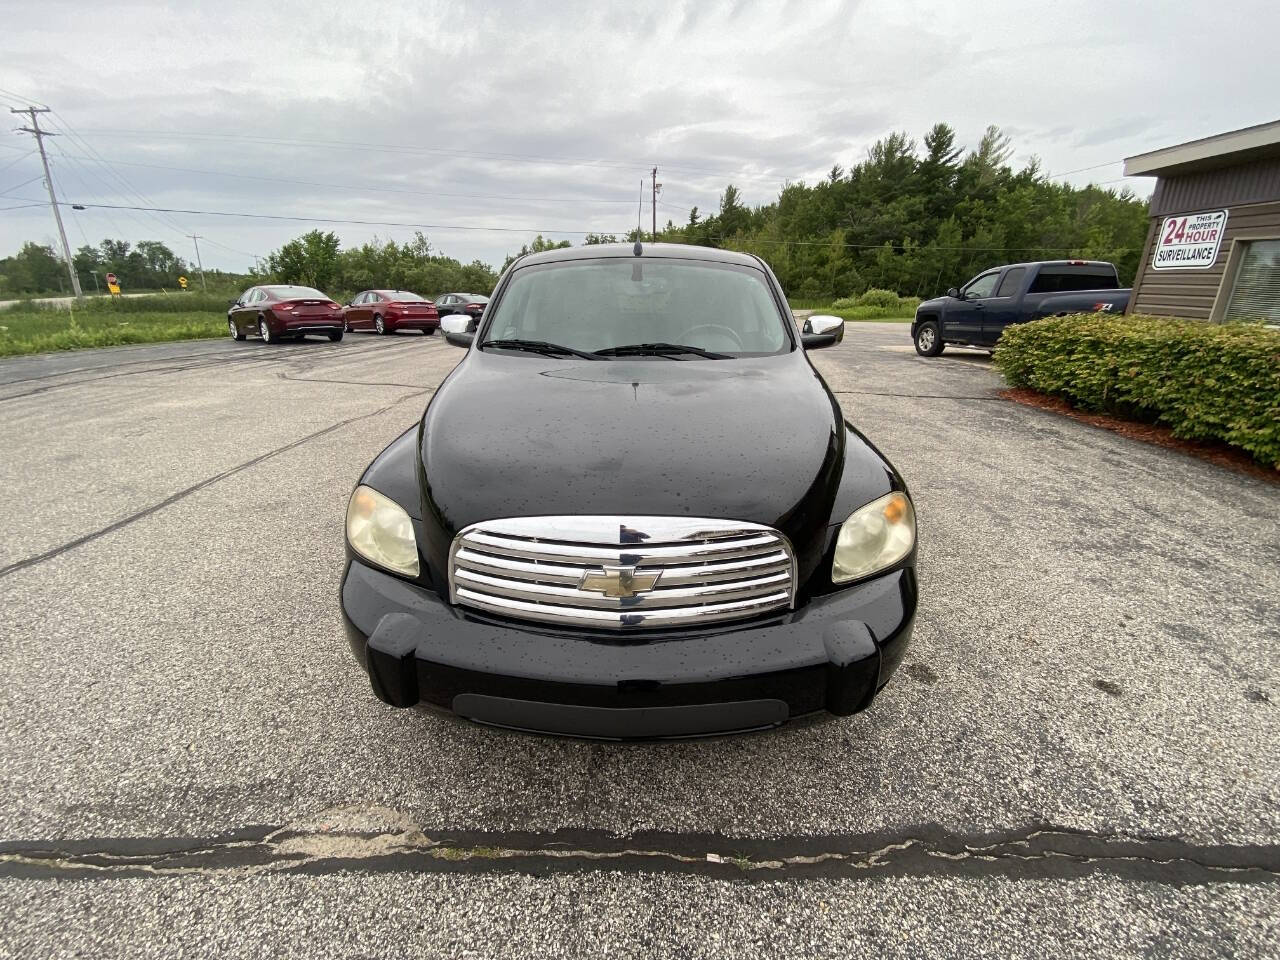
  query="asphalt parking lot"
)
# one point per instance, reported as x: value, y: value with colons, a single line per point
x: 1080, y: 756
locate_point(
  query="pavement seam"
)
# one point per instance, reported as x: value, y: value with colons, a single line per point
x: 916, y: 396
x: 197, y: 487
x: 1040, y: 852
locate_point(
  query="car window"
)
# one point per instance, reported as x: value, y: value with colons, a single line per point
x: 1011, y: 283
x: 247, y: 296
x: 982, y: 287
x: 598, y: 304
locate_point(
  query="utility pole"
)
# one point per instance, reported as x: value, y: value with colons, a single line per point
x: 654, y: 205
x: 196, y: 240
x: 96, y: 289
x: 39, y: 134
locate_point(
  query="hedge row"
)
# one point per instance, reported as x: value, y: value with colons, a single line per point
x: 1205, y: 381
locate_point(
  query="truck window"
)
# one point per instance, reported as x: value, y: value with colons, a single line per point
x: 1012, y: 282
x: 981, y: 287
x: 1066, y: 278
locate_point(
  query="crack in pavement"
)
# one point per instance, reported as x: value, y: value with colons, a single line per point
x: 197, y: 487
x: 397, y: 844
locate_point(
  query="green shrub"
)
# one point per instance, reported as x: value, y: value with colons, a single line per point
x: 877, y: 298
x: 1205, y: 381
x: 810, y: 289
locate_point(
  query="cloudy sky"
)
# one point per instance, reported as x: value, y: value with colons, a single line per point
x: 489, y: 122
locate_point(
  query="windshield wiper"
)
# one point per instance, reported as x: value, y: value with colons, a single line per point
x: 539, y: 346
x: 659, y: 350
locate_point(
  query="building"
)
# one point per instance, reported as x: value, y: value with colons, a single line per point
x: 1213, y: 247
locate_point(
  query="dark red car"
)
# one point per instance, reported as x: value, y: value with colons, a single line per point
x: 387, y: 311
x: 284, y: 312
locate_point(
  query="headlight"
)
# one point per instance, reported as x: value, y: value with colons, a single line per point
x: 380, y: 531
x: 874, y: 537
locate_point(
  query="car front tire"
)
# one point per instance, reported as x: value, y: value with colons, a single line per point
x: 235, y: 331
x: 929, y: 339
x: 379, y: 325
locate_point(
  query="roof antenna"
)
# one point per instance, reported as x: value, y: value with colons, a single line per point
x: 637, y: 249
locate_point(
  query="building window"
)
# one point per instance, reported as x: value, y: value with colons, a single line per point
x: 1256, y: 294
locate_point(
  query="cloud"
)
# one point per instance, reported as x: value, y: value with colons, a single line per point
x: 547, y: 117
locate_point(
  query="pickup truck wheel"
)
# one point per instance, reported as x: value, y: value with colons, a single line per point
x: 928, y: 340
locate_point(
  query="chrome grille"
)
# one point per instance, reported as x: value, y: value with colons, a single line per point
x: 622, y: 573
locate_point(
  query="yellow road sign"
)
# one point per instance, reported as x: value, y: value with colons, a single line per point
x: 113, y: 289
x: 182, y: 282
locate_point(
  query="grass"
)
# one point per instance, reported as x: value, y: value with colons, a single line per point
x: 903, y: 312
x: 31, y: 329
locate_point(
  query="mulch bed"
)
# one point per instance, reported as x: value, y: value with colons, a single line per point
x: 1219, y: 454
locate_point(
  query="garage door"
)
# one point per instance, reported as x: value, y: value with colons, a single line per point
x: 1256, y: 294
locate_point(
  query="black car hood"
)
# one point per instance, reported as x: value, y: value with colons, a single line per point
x: 935, y: 303
x: 757, y: 439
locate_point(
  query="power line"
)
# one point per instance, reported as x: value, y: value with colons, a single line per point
x: 128, y: 188
x: 360, y: 187
x: 301, y: 219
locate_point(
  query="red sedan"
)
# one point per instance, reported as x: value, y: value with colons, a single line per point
x: 284, y: 312
x: 387, y: 311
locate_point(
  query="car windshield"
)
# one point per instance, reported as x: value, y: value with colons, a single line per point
x: 295, y: 293
x: 403, y: 295
x: 600, y: 305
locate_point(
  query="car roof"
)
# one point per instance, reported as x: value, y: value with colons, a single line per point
x: 675, y: 251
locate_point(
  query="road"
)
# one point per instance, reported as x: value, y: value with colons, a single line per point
x: 1080, y: 756
x: 68, y: 301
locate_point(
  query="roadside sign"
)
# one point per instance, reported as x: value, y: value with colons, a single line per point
x: 113, y: 289
x: 111, y: 278
x: 182, y: 282
x: 1189, y: 241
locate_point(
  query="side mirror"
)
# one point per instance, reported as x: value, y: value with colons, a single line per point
x: 954, y: 293
x: 821, y: 330
x: 458, y: 330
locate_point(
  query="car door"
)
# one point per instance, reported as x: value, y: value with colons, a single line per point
x: 1004, y: 306
x: 375, y: 307
x: 962, y: 322
x: 360, y: 316
x: 240, y: 310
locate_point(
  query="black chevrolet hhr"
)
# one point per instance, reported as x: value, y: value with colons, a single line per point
x: 633, y: 510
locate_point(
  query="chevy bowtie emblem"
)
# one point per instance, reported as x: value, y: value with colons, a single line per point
x: 618, y: 581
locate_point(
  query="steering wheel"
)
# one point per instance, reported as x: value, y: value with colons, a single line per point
x: 727, y: 331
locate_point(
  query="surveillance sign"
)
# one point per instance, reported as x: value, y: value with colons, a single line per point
x: 1189, y: 241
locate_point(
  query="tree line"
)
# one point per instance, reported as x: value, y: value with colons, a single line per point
x: 148, y: 265
x: 919, y: 220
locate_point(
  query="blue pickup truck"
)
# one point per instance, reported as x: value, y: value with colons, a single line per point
x: 977, y: 313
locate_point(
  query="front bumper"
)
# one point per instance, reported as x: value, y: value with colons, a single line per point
x: 832, y: 654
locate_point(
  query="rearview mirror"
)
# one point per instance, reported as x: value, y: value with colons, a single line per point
x: 821, y: 330
x: 458, y: 330
x: 953, y: 293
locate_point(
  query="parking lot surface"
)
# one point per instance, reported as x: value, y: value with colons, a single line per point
x: 1080, y: 755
